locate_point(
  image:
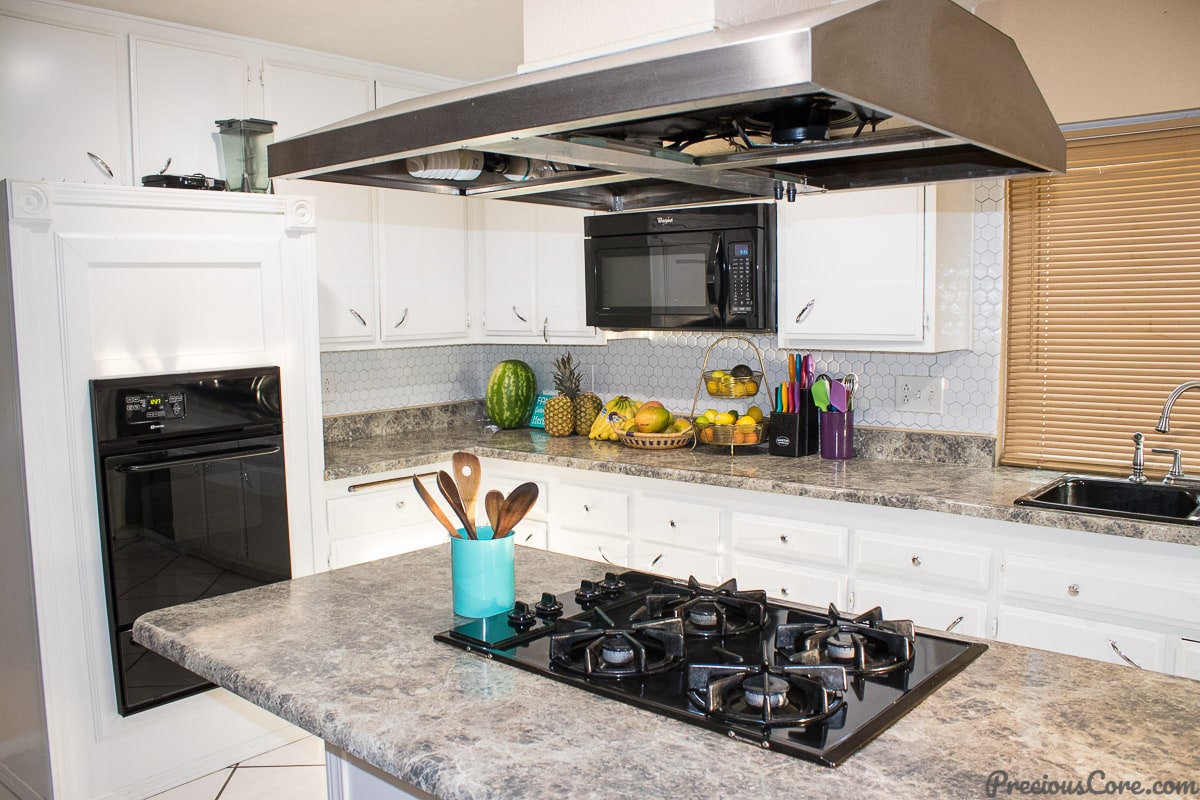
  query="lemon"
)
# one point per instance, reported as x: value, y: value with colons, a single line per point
x: 713, y: 387
x: 746, y: 421
x: 711, y: 413
x: 751, y: 388
x: 756, y: 413
x: 718, y: 374
x: 737, y: 390
x: 725, y: 418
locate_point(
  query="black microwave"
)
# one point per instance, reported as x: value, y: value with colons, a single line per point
x: 689, y: 269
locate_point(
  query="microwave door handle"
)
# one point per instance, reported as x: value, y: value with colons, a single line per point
x: 717, y: 272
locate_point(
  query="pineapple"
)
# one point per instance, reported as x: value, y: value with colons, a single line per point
x: 587, y: 407
x: 560, y: 409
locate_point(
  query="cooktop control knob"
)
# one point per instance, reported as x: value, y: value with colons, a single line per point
x: 588, y: 592
x: 549, y: 606
x: 521, y: 615
x: 611, y: 583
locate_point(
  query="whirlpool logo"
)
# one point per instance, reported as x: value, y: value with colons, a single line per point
x: 664, y: 220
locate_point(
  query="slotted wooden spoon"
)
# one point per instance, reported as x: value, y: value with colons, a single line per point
x: 466, y: 475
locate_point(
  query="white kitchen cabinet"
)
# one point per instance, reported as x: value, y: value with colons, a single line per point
x: 422, y: 268
x: 886, y: 270
x: 533, y: 530
x: 678, y: 538
x: 922, y: 561
x: 179, y: 91
x: 1088, y: 638
x: 792, y: 582
x: 791, y: 558
x: 606, y: 547
x: 928, y: 609
x: 379, y: 516
x: 531, y: 258
x: 1187, y: 659
x: 62, y: 91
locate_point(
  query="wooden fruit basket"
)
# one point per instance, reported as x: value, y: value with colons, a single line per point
x: 657, y: 441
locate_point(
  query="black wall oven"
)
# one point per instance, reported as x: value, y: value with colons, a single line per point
x: 193, y: 504
x: 688, y: 269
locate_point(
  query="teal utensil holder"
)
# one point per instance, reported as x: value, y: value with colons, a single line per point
x: 482, y: 573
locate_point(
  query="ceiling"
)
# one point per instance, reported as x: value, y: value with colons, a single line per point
x: 465, y: 39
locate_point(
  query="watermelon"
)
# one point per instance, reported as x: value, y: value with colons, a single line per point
x: 511, y: 394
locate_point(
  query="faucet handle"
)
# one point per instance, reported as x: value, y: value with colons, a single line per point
x: 1139, y: 459
x: 1177, y: 465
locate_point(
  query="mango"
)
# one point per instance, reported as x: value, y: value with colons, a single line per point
x: 652, y: 419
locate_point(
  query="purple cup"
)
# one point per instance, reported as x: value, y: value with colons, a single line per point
x: 837, y: 434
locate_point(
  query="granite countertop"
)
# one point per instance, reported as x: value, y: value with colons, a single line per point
x: 976, y: 491
x: 349, y: 656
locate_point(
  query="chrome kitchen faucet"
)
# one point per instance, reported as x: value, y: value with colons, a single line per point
x: 1175, y: 476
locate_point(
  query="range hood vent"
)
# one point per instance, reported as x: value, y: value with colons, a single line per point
x: 858, y: 94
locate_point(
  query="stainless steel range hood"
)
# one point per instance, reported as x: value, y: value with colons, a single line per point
x: 857, y: 94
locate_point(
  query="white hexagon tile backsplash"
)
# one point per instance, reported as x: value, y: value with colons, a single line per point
x: 666, y: 366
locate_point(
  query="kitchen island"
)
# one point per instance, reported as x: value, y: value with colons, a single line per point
x: 349, y: 655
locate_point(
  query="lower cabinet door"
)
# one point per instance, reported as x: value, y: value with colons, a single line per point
x: 943, y: 612
x: 612, y: 550
x: 796, y: 584
x: 1187, y: 659
x: 676, y: 562
x: 384, y: 544
x: 1080, y: 637
x: 532, y: 533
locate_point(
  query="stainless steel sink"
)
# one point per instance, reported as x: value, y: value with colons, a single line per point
x: 1113, y: 497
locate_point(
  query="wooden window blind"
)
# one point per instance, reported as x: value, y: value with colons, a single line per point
x: 1104, y: 302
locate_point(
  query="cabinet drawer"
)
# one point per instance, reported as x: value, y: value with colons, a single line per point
x: 790, y: 538
x: 376, y: 510
x: 676, y: 562
x: 384, y: 544
x: 811, y: 587
x: 935, y: 610
x: 921, y: 560
x: 588, y: 544
x: 1079, y: 637
x: 592, y: 509
x: 679, y: 523
x: 1094, y: 587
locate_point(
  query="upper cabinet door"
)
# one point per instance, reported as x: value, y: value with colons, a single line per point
x: 509, y: 261
x: 888, y: 270
x: 61, y: 95
x: 178, y: 94
x: 422, y: 267
x: 858, y: 258
x: 299, y: 99
x: 560, y: 273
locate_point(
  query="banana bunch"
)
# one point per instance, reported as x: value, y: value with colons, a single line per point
x: 614, y: 419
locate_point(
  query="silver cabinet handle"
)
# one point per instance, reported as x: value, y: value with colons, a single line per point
x: 545, y: 329
x: 783, y: 537
x: 657, y: 558
x: 102, y: 164
x: 804, y: 312
x: 1073, y: 590
x: 528, y: 537
x: 518, y: 313
x: 358, y: 317
x: 403, y: 318
x: 954, y: 624
x: 1124, y: 657
x: 600, y: 550
x: 916, y: 561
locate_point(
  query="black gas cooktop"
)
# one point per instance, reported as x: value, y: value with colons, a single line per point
x: 817, y: 685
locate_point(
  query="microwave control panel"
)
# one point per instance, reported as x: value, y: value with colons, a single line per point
x: 147, y: 407
x: 741, y: 278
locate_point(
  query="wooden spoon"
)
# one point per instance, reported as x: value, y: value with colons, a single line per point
x: 493, y: 503
x: 450, y: 492
x: 466, y: 475
x: 434, y: 507
x: 519, y: 501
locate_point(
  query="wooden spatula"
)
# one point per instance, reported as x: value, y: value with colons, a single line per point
x: 466, y: 475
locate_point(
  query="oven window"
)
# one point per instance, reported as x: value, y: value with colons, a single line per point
x: 662, y: 279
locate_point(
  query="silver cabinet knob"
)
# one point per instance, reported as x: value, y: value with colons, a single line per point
x: 1073, y: 590
x: 805, y: 311
x: 671, y: 522
x: 783, y: 592
x: 400, y: 504
x: 586, y: 509
x: 783, y: 537
x: 916, y: 561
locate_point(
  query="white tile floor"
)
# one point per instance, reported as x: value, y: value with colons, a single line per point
x: 295, y: 771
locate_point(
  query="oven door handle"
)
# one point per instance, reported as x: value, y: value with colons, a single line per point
x: 220, y: 455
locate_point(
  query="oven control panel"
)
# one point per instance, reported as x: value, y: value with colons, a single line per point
x: 149, y: 407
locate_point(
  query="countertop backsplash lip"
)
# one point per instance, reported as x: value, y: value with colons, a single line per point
x: 435, y: 416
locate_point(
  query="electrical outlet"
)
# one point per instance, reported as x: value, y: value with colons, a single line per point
x: 915, y: 393
x: 327, y: 390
